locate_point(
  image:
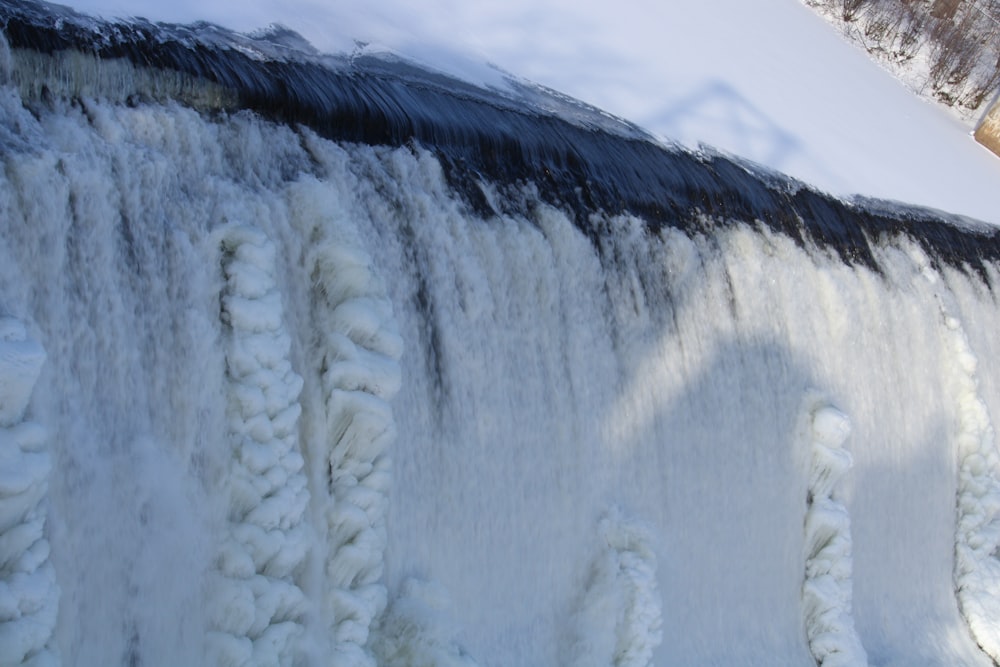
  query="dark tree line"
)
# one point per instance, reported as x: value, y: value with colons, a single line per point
x: 960, y: 40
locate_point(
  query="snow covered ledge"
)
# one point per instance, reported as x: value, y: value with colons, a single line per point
x: 29, y: 596
x: 826, y: 591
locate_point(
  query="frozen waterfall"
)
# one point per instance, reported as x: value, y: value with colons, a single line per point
x: 473, y: 381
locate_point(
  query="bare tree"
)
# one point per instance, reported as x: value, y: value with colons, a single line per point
x: 965, y: 56
x: 849, y: 9
x: 961, y: 40
x: 944, y: 9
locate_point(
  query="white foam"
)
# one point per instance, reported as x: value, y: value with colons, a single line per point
x: 544, y: 378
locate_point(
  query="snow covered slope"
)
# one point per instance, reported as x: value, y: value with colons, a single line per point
x: 347, y: 363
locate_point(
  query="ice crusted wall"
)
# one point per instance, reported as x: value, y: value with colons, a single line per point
x: 305, y: 407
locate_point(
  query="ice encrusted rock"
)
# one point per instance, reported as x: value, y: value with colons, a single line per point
x: 259, y: 608
x: 827, y: 588
x: 29, y: 596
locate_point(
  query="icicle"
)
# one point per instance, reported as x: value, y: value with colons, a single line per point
x: 29, y: 596
x: 260, y: 606
x: 826, y: 591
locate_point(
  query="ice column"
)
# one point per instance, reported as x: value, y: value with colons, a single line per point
x: 29, y: 596
x: 360, y: 373
x: 826, y: 592
x: 259, y: 605
x: 619, y: 622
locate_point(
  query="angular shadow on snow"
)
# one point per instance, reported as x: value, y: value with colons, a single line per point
x: 750, y: 131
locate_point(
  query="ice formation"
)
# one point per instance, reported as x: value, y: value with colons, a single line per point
x: 977, y: 531
x: 224, y: 298
x: 619, y: 620
x: 417, y: 629
x: 260, y: 608
x: 359, y: 350
x: 29, y: 596
x: 826, y: 592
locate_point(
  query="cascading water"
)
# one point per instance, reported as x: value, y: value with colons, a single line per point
x: 319, y: 399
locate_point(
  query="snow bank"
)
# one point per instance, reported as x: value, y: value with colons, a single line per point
x: 260, y: 607
x: 620, y: 616
x: 29, y: 596
x: 826, y: 592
